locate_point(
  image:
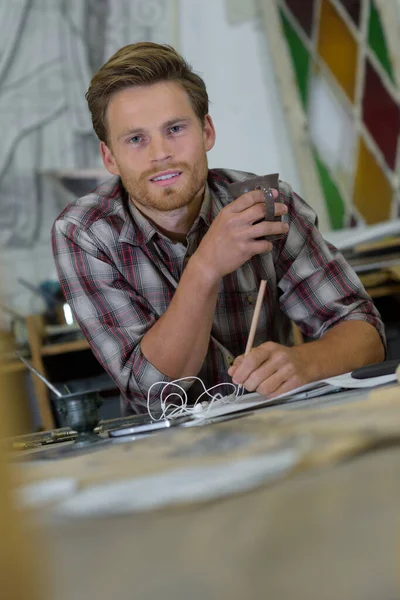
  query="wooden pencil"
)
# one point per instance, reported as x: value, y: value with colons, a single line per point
x: 256, y: 317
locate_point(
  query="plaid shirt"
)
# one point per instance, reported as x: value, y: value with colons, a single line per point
x: 119, y: 274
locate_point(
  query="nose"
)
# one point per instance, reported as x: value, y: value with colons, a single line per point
x: 159, y: 149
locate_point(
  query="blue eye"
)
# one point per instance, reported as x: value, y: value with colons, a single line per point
x: 176, y: 128
x: 136, y: 139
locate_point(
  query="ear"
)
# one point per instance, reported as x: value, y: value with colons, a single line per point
x: 208, y: 133
x: 108, y: 159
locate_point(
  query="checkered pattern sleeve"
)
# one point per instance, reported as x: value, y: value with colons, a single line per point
x: 112, y: 316
x: 318, y: 287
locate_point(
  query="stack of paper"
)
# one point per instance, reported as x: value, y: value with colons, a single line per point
x: 310, y: 390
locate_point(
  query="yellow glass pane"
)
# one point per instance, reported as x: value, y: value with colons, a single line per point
x: 372, y: 191
x: 338, y: 48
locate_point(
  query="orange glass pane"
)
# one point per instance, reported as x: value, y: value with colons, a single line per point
x: 338, y: 48
x: 372, y: 192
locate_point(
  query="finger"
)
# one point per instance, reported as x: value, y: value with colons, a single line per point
x: 268, y: 228
x: 233, y: 368
x: 247, y: 200
x: 274, y: 193
x: 251, y: 362
x: 291, y: 384
x: 238, y: 360
x: 280, y: 209
x: 258, y: 211
x: 276, y: 362
x: 269, y: 387
x: 260, y: 247
x: 253, y: 213
x: 259, y: 376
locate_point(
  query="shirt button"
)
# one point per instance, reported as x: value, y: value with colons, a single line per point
x: 230, y: 360
x: 251, y: 299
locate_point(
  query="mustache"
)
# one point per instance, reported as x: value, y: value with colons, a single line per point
x: 152, y: 172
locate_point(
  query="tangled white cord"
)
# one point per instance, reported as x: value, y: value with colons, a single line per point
x: 170, y: 410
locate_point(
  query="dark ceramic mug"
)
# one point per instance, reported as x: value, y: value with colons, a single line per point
x: 265, y: 184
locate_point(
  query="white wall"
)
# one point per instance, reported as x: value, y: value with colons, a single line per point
x: 45, y: 68
x: 245, y: 106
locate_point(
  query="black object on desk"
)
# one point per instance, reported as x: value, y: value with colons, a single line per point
x: 376, y: 370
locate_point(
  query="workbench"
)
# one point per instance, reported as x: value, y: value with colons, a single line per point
x: 326, y: 527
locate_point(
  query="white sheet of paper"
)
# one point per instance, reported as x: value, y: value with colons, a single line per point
x: 310, y: 390
x: 347, y: 381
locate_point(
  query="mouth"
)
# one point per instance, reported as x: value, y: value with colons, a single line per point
x: 166, y: 178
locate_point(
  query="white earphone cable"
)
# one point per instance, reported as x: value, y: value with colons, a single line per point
x: 170, y: 410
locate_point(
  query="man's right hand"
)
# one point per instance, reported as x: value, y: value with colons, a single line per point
x: 232, y: 237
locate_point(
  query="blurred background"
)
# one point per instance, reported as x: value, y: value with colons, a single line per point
x: 306, y: 88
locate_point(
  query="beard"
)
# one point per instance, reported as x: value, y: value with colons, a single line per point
x: 166, y: 199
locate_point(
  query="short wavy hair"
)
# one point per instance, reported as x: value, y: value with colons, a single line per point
x: 139, y: 64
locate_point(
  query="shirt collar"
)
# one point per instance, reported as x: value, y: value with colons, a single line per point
x: 206, y: 207
x: 136, y: 230
x: 144, y: 225
x: 205, y: 213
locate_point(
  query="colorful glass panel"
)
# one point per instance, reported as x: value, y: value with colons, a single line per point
x: 357, y: 185
x: 372, y: 191
x: 354, y: 221
x: 377, y: 41
x: 303, y: 11
x: 353, y: 7
x: 300, y: 57
x: 338, y: 48
x: 381, y: 115
x: 334, y: 201
x: 331, y: 129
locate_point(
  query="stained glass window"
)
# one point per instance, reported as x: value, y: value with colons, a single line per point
x: 381, y: 114
x: 346, y: 83
x: 337, y: 48
x: 353, y: 7
x: 303, y: 11
x: 300, y: 57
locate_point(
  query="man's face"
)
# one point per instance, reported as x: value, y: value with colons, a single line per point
x: 157, y: 145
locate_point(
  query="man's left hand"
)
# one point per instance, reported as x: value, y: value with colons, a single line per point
x: 271, y: 369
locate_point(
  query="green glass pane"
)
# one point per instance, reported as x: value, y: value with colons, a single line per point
x: 377, y: 41
x: 300, y: 57
x: 334, y: 201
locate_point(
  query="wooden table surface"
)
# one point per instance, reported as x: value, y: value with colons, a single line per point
x: 328, y: 529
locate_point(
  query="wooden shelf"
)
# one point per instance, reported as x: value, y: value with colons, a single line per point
x: 37, y: 335
x: 384, y: 290
x: 63, y: 347
x: 13, y: 366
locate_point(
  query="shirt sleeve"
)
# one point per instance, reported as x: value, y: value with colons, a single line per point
x: 318, y: 287
x: 112, y: 315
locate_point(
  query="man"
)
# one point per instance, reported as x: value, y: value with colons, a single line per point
x: 162, y: 268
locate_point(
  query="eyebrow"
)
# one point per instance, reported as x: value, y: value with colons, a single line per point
x: 138, y: 130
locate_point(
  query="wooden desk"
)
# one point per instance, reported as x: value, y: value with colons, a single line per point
x: 327, y: 529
